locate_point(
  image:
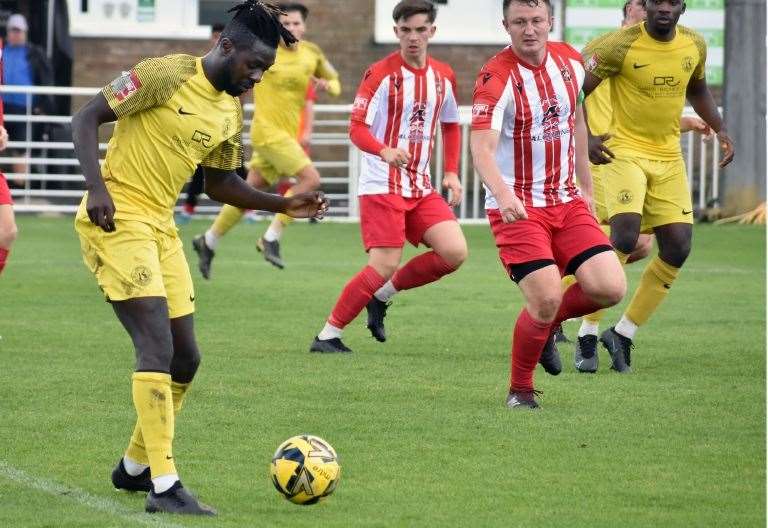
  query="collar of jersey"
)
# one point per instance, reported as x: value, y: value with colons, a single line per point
x: 526, y: 64
x: 205, y: 83
x: 417, y: 71
x: 659, y: 43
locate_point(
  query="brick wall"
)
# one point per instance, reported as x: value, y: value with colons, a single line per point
x: 343, y: 29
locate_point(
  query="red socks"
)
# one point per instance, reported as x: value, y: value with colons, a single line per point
x: 421, y: 270
x: 531, y: 335
x: 575, y: 304
x: 355, y: 296
x: 3, y: 257
x: 528, y: 340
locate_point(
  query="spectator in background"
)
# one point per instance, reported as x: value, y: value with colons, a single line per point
x: 24, y: 64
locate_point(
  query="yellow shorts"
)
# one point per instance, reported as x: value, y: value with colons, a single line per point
x: 657, y: 190
x: 138, y: 260
x: 598, y: 193
x: 282, y: 156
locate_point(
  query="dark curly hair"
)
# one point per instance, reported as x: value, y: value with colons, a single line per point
x: 254, y: 19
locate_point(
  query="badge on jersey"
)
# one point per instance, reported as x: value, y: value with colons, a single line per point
x: 479, y: 110
x: 360, y: 104
x: 125, y: 85
x: 591, y: 64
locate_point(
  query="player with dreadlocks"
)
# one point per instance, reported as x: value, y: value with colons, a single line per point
x: 173, y: 113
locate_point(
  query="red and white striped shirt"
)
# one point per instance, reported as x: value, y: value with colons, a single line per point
x: 533, y: 109
x: 402, y: 106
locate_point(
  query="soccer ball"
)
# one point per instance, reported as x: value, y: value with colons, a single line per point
x: 305, y: 469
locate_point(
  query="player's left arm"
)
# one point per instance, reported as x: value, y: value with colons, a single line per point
x: 703, y: 103
x: 227, y: 187
x: 583, y: 175
x: 451, y: 130
x: 326, y: 77
x: 698, y: 94
x: 85, y: 137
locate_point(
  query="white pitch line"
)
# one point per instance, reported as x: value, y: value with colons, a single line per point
x: 82, y: 497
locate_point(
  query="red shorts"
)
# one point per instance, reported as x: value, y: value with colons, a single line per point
x: 565, y: 235
x: 387, y: 220
x: 5, y: 192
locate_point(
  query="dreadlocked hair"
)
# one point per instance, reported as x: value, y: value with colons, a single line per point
x: 256, y: 19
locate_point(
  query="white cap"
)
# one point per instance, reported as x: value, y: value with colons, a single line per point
x: 17, y: 21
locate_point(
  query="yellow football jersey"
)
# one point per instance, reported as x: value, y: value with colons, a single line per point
x: 280, y: 96
x: 649, y: 79
x: 599, y: 109
x: 170, y: 119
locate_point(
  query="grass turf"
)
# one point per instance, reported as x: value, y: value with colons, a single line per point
x: 419, y: 422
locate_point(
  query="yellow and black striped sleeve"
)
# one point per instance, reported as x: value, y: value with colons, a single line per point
x: 148, y: 84
x: 228, y: 155
x: 604, y: 56
x: 700, y: 70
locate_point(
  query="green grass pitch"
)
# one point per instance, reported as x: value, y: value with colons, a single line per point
x: 419, y: 422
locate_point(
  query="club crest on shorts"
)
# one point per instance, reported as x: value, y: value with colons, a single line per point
x: 141, y: 276
x: 624, y: 196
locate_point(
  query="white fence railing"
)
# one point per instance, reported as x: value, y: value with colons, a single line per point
x: 45, y: 177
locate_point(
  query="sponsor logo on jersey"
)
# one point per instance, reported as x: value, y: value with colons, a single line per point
x: 360, y: 104
x: 125, y: 85
x: 416, y: 121
x: 665, y: 80
x: 201, y: 137
x: 479, y: 110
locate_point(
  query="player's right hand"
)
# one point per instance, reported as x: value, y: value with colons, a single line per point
x: 726, y: 145
x: 321, y: 85
x: 511, y: 208
x: 307, y: 205
x: 395, y: 156
x: 101, y: 209
x: 599, y: 154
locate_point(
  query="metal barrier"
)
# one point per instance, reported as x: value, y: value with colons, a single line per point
x: 44, y: 173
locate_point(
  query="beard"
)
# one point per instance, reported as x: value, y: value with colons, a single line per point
x: 223, y: 80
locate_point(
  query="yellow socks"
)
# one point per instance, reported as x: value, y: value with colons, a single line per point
x: 284, y: 219
x: 179, y: 391
x: 567, y: 281
x: 136, y: 449
x: 153, y: 399
x: 228, y: 218
x: 654, y: 286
